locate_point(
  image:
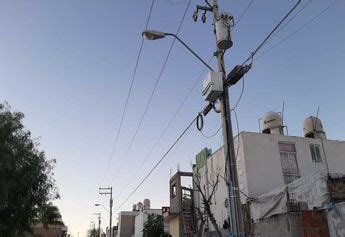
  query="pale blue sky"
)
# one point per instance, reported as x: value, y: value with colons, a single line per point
x: 67, y: 65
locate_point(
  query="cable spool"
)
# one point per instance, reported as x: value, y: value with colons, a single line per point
x: 215, y: 109
x: 199, y: 122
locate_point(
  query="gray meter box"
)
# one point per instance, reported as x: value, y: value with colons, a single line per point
x: 212, y: 86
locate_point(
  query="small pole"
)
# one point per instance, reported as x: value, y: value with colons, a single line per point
x: 108, y: 191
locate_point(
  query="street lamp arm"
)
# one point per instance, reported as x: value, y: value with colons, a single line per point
x: 100, y: 204
x: 190, y: 50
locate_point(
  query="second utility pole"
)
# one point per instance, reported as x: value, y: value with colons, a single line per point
x: 236, y: 220
x: 108, y: 191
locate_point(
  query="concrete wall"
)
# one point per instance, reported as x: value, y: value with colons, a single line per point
x: 294, y: 224
x: 175, y: 227
x: 127, y: 223
x: 215, y: 165
x: 286, y: 225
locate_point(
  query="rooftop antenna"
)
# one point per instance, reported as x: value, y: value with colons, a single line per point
x: 283, y: 109
x: 317, y: 116
x: 259, y: 120
x: 282, y: 114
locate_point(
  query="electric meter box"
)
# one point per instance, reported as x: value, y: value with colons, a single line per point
x: 212, y: 86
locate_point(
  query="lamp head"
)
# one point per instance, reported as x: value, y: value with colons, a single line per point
x: 153, y: 35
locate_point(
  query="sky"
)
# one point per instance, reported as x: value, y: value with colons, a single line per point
x: 67, y: 65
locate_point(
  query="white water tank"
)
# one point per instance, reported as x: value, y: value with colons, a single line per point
x: 139, y: 206
x: 146, y: 203
x: 272, y: 123
x: 312, y: 127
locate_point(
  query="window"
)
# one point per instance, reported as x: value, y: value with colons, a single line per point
x: 173, y: 191
x: 315, y: 153
x: 288, y: 161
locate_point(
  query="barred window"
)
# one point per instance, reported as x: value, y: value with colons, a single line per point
x: 315, y: 153
x: 288, y: 161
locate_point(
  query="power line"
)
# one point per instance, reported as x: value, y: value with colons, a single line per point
x: 129, y: 91
x: 241, y: 94
x: 287, y: 22
x: 293, y: 17
x: 153, y: 90
x: 298, y: 29
x: 169, y: 123
x: 155, y: 166
x: 271, y: 33
x: 244, y: 12
x: 212, y: 135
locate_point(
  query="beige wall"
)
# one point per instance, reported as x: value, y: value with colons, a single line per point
x: 175, y: 227
x: 127, y: 223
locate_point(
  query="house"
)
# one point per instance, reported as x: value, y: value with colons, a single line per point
x: 269, y: 163
x: 131, y: 223
x: 143, y: 212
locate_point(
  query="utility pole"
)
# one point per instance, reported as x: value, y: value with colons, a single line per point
x: 108, y: 191
x: 236, y: 219
x: 99, y: 223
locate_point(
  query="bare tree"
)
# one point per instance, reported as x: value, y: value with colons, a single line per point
x: 207, y: 192
x: 200, y: 216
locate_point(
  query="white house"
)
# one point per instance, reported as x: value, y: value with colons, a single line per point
x: 269, y: 160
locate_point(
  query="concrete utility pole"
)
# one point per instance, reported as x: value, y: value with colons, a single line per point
x: 108, y: 191
x: 236, y: 219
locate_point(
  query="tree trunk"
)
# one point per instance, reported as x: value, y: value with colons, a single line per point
x: 213, y: 220
x: 201, y: 228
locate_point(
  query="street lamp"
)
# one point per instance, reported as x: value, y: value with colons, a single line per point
x: 99, y: 204
x: 155, y: 35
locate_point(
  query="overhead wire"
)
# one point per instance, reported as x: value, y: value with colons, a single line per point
x: 129, y: 92
x: 298, y: 29
x: 240, y: 96
x: 153, y: 91
x: 244, y: 12
x: 293, y: 17
x: 169, y: 123
x: 288, y: 21
x: 212, y: 135
x: 157, y: 163
x: 271, y: 33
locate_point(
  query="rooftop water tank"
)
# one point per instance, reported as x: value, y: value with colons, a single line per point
x: 272, y: 123
x: 146, y: 203
x: 312, y: 127
x: 139, y: 206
